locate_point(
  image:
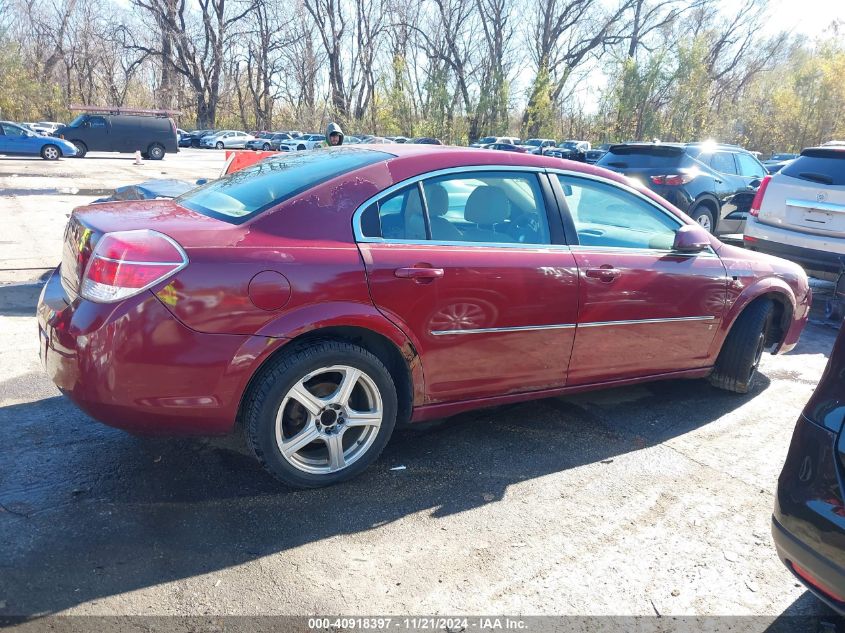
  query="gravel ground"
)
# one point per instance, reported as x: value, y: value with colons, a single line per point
x: 646, y: 500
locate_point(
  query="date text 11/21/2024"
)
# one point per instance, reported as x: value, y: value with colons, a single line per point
x: 421, y: 623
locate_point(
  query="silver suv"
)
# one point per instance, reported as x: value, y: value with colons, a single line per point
x: 799, y: 212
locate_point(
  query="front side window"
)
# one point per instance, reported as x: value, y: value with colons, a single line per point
x: 608, y: 216
x: 749, y: 167
x: 248, y: 192
x: 12, y: 130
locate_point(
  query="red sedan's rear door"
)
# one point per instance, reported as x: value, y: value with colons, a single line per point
x: 643, y: 309
x: 464, y: 264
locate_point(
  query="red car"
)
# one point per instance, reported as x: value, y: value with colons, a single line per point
x: 316, y: 299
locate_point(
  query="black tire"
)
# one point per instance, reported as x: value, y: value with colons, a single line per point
x: 81, y: 149
x: 268, y: 391
x: 736, y: 366
x: 51, y: 152
x: 155, y: 151
x: 219, y: 145
x: 704, y: 216
x: 300, y: 147
x: 833, y: 310
x: 266, y: 147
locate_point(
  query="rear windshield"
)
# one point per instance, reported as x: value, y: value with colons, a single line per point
x: 641, y: 157
x: 246, y: 193
x: 822, y: 166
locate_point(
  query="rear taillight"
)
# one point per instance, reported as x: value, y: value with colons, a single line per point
x: 126, y: 263
x: 671, y: 179
x: 815, y: 582
x: 758, y: 197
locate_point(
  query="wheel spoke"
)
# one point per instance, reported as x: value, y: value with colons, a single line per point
x: 334, y: 443
x: 312, y: 403
x: 301, y: 439
x: 344, y: 390
x: 363, y: 418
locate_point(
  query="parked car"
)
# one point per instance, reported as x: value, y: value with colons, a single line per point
x: 226, y: 139
x: 506, y: 147
x: 306, y: 141
x: 47, y: 127
x: 193, y: 138
x: 425, y: 140
x: 277, y: 139
x: 18, y: 141
x: 263, y: 141
x: 538, y: 143
x: 570, y: 150
x: 487, y: 140
x: 713, y: 183
x: 799, y: 212
x: 397, y: 139
x: 808, y: 524
x: 153, y: 134
x: 778, y: 162
x: 349, y: 302
x: 376, y: 140
x: 592, y: 156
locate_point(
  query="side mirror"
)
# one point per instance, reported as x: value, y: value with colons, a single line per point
x: 691, y: 238
x: 201, y: 181
x: 754, y: 184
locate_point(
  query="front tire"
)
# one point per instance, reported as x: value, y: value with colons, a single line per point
x: 81, y: 149
x: 300, y: 147
x: 736, y: 366
x: 155, y: 151
x: 321, y: 414
x: 266, y: 147
x: 50, y: 152
x: 219, y: 145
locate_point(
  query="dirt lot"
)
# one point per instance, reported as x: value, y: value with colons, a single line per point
x: 636, y: 501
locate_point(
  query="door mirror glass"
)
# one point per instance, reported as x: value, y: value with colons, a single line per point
x: 691, y: 238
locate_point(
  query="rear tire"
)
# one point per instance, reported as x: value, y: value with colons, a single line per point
x: 736, y: 366
x: 50, y: 152
x: 81, y: 149
x: 274, y: 414
x: 155, y: 151
x: 704, y: 217
x: 300, y: 147
x: 833, y: 310
x: 266, y: 147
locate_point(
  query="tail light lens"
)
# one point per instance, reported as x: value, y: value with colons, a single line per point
x: 758, y: 197
x: 671, y: 179
x: 126, y: 263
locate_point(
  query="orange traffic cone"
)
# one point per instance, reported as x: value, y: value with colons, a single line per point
x: 138, y: 158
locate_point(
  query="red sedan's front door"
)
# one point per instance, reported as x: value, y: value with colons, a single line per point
x: 643, y: 309
x: 488, y: 301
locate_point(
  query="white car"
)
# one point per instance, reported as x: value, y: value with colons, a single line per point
x: 799, y: 212
x: 47, y: 127
x: 538, y: 144
x: 306, y: 141
x: 227, y: 139
x: 489, y: 140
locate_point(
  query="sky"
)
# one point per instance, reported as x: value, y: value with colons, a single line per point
x: 809, y: 17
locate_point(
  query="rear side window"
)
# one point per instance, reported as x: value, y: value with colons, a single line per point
x: 642, y: 157
x: 822, y: 166
x: 248, y: 192
x: 723, y: 162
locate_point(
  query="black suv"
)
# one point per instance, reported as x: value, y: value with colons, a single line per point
x: 712, y: 183
x: 808, y: 524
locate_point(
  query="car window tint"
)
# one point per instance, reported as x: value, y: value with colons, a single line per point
x: 397, y: 217
x: 12, y: 130
x: 96, y: 121
x: 248, y: 192
x: 820, y: 167
x: 750, y: 167
x: 487, y: 207
x: 605, y: 215
x: 723, y: 162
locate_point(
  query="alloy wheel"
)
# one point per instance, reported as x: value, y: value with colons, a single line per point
x: 329, y: 419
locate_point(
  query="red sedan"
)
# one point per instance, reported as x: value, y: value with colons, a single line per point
x: 315, y: 300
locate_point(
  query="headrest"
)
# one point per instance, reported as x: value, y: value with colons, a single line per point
x: 437, y: 198
x: 487, y: 205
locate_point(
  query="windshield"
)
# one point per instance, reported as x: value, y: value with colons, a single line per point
x: 487, y: 139
x: 534, y: 142
x: 248, y: 192
x: 79, y: 120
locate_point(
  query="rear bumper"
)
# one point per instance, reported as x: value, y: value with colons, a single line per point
x: 792, y: 551
x: 788, y: 244
x: 134, y: 366
x: 808, y: 523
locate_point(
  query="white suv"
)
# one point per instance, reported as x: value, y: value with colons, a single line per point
x: 799, y: 212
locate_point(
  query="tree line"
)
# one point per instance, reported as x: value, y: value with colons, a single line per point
x: 601, y: 70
